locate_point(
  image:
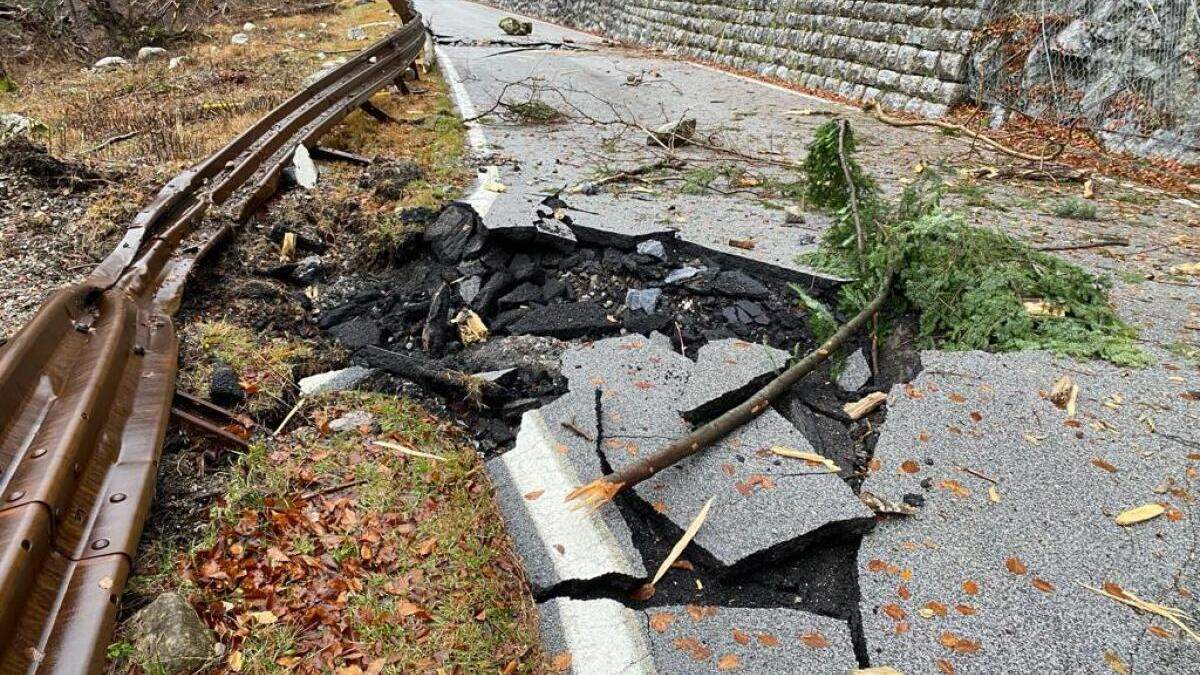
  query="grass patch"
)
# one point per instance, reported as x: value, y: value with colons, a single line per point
x: 973, y: 194
x: 1131, y: 276
x: 968, y: 284
x: 410, y: 563
x: 264, y: 367
x: 1075, y: 209
x: 1188, y: 352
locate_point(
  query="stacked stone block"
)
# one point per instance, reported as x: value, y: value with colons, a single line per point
x: 907, y: 55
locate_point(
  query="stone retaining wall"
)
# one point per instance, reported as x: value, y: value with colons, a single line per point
x: 909, y: 55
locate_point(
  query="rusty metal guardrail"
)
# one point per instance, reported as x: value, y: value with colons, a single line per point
x: 86, y: 388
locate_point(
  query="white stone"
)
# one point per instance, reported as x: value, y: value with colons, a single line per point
x: 355, y: 419
x: 306, y: 169
x: 334, y: 380
x: 176, y: 61
x: 110, y: 62
x: 356, y: 33
x: 149, y: 53
x: 239, y: 39
x: 248, y: 26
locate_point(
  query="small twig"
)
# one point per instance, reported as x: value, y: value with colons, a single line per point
x: 113, y: 140
x: 977, y: 474
x: 295, y: 409
x: 308, y: 496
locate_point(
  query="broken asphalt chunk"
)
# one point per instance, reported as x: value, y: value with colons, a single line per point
x: 555, y: 453
x: 604, y: 636
x: 765, y: 507
x: 727, y: 372
x: 566, y: 321
x: 457, y: 234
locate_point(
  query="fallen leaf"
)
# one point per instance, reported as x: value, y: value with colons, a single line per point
x: 965, y: 609
x: 910, y: 466
x: 993, y: 495
x: 1015, y: 566
x: 945, y: 666
x: 1101, y: 464
x: 1162, y: 632
x: 236, y: 661
x: 741, y: 637
x: 264, y: 618
x: 728, y: 662
x: 427, y: 547
x: 768, y: 640
x: 643, y: 592
x: 1114, y: 589
x: 1043, y: 585
x: 561, y: 662
x: 1115, y: 663
x: 744, y: 244
x: 936, y: 608
x: 814, y: 640
x: 661, y: 620
x: 687, y: 537
x: 1140, y: 514
x: 876, y: 565
x: 694, y: 648
x: 970, y: 587
x: 534, y: 494
x: 894, y: 611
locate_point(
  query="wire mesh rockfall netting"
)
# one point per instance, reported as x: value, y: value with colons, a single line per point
x: 1126, y: 70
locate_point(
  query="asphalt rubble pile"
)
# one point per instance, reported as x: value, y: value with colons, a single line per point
x: 569, y: 348
x: 532, y: 288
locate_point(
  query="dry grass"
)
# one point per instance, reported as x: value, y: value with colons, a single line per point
x: 184, y: 114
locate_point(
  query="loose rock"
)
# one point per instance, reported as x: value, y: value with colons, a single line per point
x: 169, y: 637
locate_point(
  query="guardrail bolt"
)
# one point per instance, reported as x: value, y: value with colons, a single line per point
x: 99, y: 544
x: 117, y: 498
x: 139, y: 350
x: 16, y: 495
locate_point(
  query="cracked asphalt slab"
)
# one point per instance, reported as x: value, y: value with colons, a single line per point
x: 944, y: 571
x: 1005, y: 475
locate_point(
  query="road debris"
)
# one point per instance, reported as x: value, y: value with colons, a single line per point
x: 865, y: 405
x: 515, y: 26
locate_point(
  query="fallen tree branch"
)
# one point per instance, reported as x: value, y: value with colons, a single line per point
x: 427, y: 373
x: 1099, y: 243
x: 602, y: 490
x: 872, y: 107
x: 1048, y: 172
